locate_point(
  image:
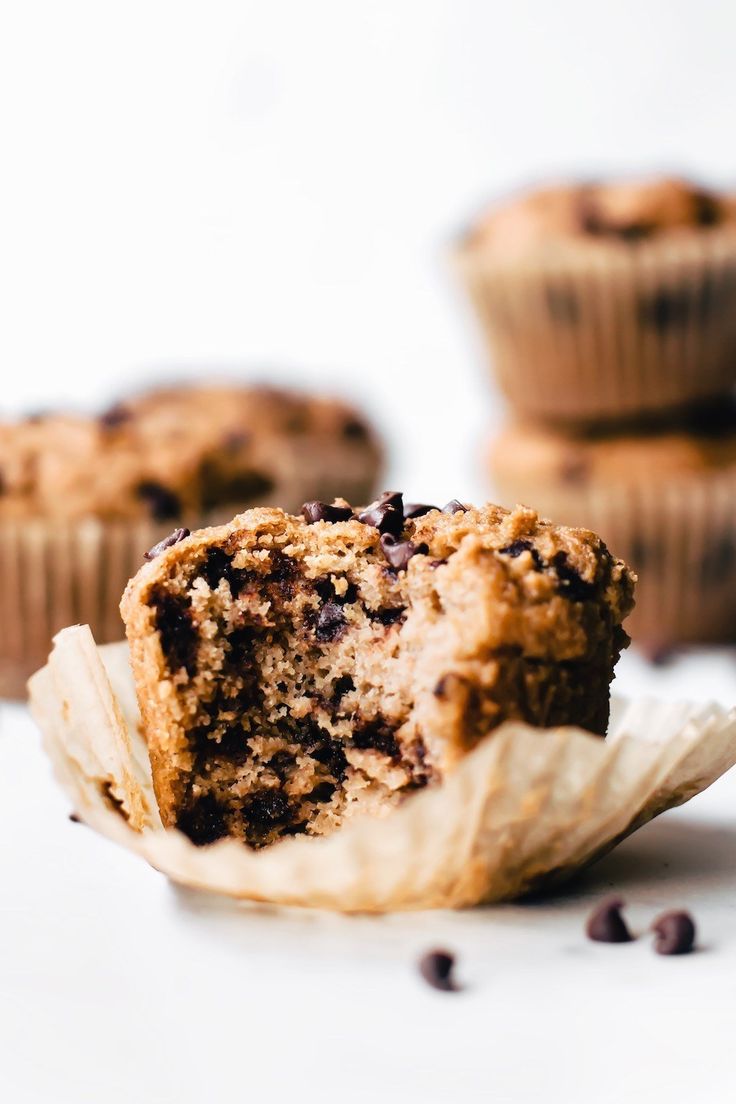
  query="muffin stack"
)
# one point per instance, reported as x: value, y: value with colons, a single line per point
x: 610, y: 316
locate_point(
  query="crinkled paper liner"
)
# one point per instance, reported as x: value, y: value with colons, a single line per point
x: 527, y: 807
x: 679, y: 535
x: 609, y: 331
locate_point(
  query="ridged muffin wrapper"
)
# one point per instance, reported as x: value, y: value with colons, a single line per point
x: 599, y: 331
x: 525, y: 809
x: 678, y: 534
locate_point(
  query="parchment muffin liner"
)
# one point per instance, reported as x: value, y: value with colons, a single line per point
x: 597, y: 332
x: 678, y: 534
x: 525, y: 809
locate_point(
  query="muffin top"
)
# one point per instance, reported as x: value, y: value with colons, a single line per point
x: 175, y: 452
x: 620, y: 212
x: 530, y: 455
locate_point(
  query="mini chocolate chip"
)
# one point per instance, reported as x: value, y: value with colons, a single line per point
x: 675, y: 933
x: 417, y: 509
x: 398, y: 553
x: 386, y: 514
x: 436, y: 967
x: 322, y: 792
x: 167, y: 542
x: 454, y: 507
x: 163, y: 503
x: 116, y: 416
x: 330, y: 623
x: 322, y: 511
x: 572, y: 585
x: 354, y: 430
x: 75, y: 818
x: 517, y: 547
x: 606, y: 924
x: 203, y: 821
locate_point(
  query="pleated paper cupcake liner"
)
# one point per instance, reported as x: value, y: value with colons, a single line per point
x: 679, y: 535
x: 523, y: 810
x: 606, y: 332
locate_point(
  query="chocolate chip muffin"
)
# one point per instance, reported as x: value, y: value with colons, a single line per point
x: 605, y: 301
x: 294, y: 671
x: 663, y: 498
x: 82, y: 498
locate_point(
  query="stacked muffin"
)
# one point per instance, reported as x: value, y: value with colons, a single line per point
x: 610, y: 315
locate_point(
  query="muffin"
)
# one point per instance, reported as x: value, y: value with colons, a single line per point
x: 82, y: 498
x: 607, y: 301
x: 664, y: 499
x: 294, y: 671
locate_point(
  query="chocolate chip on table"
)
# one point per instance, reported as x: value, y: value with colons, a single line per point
x: 417, y: 509
x: 398, y: 553
x: 436, y: 967
x: 674, y: 933
x: 167, y: 542
x: 75, y: 818
x: 386, y: 514
x: 454, y: 507
x: 323, y: 511
x: 606, y: 924
x: 163, y: 503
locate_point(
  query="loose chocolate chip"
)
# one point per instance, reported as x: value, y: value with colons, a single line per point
x: 176, y: 630
x: 436, y: 967
x: 322, y: 511
x: 386, y: 514
x: 167, y: 542
x: 606, y: 924
x: 675, y: 933
x: 75, y: 818
x: 398, y: 553
x: 162, y: 503
x: 517, y: 547
x: 330, y: 623
x: 417, y: 509
x: 203, y: 821
x: 322, y: 792
x: 572, y: 585
x: 116, y: 416
x: 454, y: 507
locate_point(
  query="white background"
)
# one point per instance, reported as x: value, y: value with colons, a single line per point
x: 272, y: 188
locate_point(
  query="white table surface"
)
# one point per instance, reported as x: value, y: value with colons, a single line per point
x: 118, y: 987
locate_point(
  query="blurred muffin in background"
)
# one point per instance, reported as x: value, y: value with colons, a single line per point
x: 662, y: 499
x: 603, y: 301
x: 82, y: 499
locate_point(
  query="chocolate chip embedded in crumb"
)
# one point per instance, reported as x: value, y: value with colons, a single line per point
x: 417, y: 509
x: 436, y: 967
x: 674, y: 933
x: 398, y: 553
x: 454, y: 507
x: 386, y: 514
x: 517, y: 547
x: 116, y: 416
x: 572, y: 584
x: 322, y: 511
x: 606, y: 924
x: 162, y: 503
x: 167, y: 542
